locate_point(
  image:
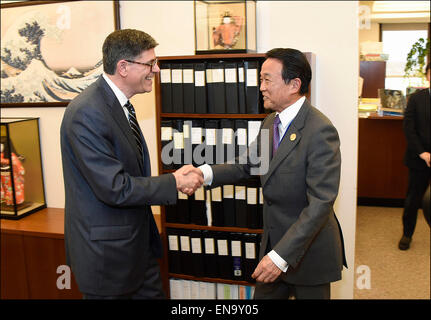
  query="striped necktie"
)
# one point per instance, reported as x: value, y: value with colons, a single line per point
x: 135, y: 126
x: 276, y: 136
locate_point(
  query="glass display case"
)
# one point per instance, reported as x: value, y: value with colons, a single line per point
x: 22, y: 187
x: 225, y: 26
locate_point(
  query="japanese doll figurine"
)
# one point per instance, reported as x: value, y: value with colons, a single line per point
x: 227, y: 33
x: 18, y: 175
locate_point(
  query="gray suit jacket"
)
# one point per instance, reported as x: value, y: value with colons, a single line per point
x: 299, y: 191
x: 109, y: 227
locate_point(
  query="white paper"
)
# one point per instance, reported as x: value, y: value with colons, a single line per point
x: 196, y: 135
x: 177, y: 76
x: 240, y: 74
x: 240, y: 192
x: 182, y: 196
x: 165, y: 75
x: 252, y: 195
x: 218, y: 75
x: 260, y: 195
x: 222, y: 247
x: 178, y: 140
x: 185, y: 243
x: 250, y: 250
x: 196, y: 245
x: 251, y: 77
x: 227, y: 135
x: 166, y: 134
x: 228, y: 191
x: 242, y: 136
x: 230, y: 75
x: 210, y: 137
x: 173, y: 242
x: 209, y: 246
x: 200, y: 194
x: 236, y: 248
x: 199, y: 78
x: 186, y: 131
x: 216, y: 194
x: 188, y: 76
x: 253, y: 130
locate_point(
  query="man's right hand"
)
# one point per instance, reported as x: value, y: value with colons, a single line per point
x: 425, y: 156
x: 188, y: 179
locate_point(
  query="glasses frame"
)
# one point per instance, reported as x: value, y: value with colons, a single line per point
x: 152, y: 65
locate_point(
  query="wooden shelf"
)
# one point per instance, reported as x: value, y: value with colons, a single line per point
x: 214, y: 56
x: 214, y: 116
x: 212, y: 228
x: 219, y: 280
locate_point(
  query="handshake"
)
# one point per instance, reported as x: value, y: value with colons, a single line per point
x: 188, y: 179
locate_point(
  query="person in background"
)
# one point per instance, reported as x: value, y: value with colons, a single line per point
x: 417, y: 158
x: 302, y: 248
x: 111, y: 238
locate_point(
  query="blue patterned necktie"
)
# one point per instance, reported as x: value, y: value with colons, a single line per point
x: 135, y: 126
x: 276, y: 136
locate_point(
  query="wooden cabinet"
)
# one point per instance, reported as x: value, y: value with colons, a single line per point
x: 374, y: 74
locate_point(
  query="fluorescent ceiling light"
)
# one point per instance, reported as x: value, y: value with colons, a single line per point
x: 401, y: 6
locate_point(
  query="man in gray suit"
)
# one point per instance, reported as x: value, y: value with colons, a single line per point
x: 302, y: 247
x: 111, y: 238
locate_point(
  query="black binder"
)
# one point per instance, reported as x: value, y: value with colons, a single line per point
x: 216, y: 88
x: 200, y: 88
x: 251, y: 69
x: 186, y: 253
x: 198, y: 262
x: 198, y: 213
x: 187, y: 135
x: 183, y: 211
x: 217, y: 207
x: 198, y: 147
x: 166, y: 87
x: 251, y: 254
x: 229, y: 205
x: 177, y: 88
x: 224, y: 259
x: 252, y: 206
x: 178, y: 136
x: 231, y: 87
x: 210, y: 254
x: 188, y: 88
x: 174, y: 253
x: 167, y: 138
x: 211, y: 126
x: 241, y: 127
x: 236, y: 246
x: 171, y: 213
x: 241, y: 89
x: 228, y: 140
x: 241, y: 206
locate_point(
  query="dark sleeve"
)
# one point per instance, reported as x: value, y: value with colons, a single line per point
x: 410, y: 127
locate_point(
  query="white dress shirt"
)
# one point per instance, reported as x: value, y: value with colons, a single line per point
x: 286, y: 117
x: 122, y: 99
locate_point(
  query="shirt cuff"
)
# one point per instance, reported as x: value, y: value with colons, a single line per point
x: 278, y: 261
x: 208, y: 174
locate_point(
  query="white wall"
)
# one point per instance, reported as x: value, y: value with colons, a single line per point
x: 328, y: 29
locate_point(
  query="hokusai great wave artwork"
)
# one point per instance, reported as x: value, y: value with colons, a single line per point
x: 49, y: 52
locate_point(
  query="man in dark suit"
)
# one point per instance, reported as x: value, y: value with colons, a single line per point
x: 302, y: 247
x: 111, y: 238
x: 417, y: 158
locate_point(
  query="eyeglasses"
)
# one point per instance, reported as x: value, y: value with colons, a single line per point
x: 151, y: 64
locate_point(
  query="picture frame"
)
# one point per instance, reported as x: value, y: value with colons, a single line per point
x: 48, y: 54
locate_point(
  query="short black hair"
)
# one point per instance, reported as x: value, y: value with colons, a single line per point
x: 295, y: 65
x: 124, y: 44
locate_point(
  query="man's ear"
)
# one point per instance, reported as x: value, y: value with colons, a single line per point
x: 296, y: 85
x: 122, y: 69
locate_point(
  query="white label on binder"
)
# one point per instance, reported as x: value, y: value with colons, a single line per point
x: 196, y: 245
x: 260, y: 195
x: 182, y: 196
x: 200, y: 78
x: 216, y: 194
x: 209, y: 75
x: 236, y: 248
x: 177, y: 76
x: 228, y: 191
x: 209, y: 246
x: 251, y: 77
x: 200, y: 194
x: 173, y: 242
x: 218, y: 75
x: 166, y: 133
x: 240, y: 74
x: 242, y: 136
x: 186, y: 131
x: 196, y: 135
x: 188, y: 76
x: 230, y: 75
x: 253, y: 130
x: 185, y: 243
x: 178, y: 140
x: 222, y: 247
x: 165, y: 75
x: 252, y: 195
x: 240, y: 192
x: 210, y: 137
x: 227, y: 135
x: 250, y: 250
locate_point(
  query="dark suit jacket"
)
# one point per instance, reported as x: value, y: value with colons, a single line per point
x: 417, y: 129
x: 299, y: 191
x: 109, y: 227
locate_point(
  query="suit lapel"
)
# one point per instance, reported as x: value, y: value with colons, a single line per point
x: 120, y: 118
x: 289, y: 141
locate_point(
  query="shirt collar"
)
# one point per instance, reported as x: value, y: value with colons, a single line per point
x: 118, y: 93
x: 288, y: 114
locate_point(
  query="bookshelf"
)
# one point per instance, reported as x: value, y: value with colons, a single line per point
x: 161, y: 116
